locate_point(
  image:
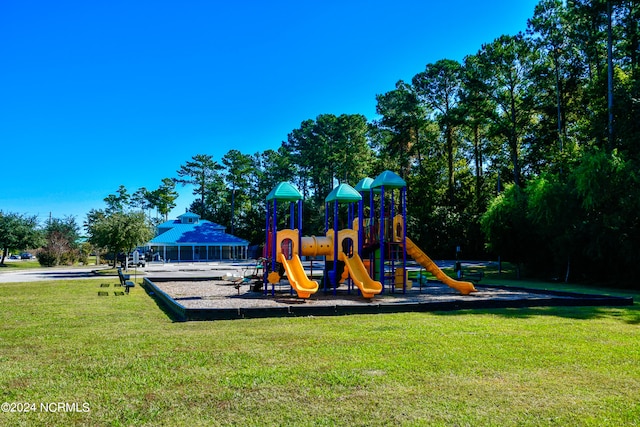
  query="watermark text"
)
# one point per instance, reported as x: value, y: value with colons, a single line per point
x: 49, y: 407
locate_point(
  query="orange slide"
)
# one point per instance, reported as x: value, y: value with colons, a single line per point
x: 465, y: 288
x: 358, y: 272
x: 297, y: 277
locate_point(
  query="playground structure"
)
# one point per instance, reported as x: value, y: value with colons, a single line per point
x: 370, y: 252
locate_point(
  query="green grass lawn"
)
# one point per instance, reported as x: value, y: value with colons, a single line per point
x: 22, y: 264
x: 122, y: 359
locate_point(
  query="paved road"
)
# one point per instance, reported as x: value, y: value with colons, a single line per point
x: 39, y: 274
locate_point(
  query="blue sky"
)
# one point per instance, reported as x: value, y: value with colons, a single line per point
x: 98, y: 94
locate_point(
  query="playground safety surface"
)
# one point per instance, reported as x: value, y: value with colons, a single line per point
x: 199, y: 299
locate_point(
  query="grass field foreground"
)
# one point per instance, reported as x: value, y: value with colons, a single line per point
x: 119, y: 360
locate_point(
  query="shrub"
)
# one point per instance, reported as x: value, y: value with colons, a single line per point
x: 47, y: 258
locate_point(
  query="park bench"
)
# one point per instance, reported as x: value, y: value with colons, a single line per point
x: 473, y: 275
x: 124, y: 280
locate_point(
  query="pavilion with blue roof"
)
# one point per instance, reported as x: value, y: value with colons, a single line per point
x: 190, y: 238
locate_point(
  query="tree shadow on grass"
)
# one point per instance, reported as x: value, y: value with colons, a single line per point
x: 9, y: 265
x: 629, y: 314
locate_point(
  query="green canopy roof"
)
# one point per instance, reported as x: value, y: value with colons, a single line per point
x: 364, y: 185
x: 388, y: 179
x: 285, y: 191
x: 343, y: 193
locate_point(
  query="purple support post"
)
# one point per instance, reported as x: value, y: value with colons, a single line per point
x: 266, y: 253
x: 275, y: 242
x: 392, y: 249
x: 393, y: 204
x: 326, y: 277
x: 326, y: 217
x: 403, y: 197
x: 360, y: 226
x: 292, y: 215
x: 300, y: 227
x: 382, y: 278
x: 335, y: 247
x: 372, y: 216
